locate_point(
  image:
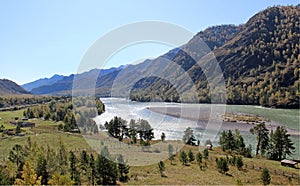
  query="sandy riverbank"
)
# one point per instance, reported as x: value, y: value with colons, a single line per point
x: 204, y: 116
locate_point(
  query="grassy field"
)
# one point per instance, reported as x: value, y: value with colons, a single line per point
x: 46, y: 133
x: 178, y: 174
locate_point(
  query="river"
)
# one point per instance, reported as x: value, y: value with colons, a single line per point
x: 208, y: 128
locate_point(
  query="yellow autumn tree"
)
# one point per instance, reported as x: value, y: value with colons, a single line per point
x: 58, y: 179
x: 29, y: 176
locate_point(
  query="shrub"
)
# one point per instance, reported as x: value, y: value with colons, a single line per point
x: 161, y: 168
x: 265, y: 177
x: 205, y: 153
x: 191, y: 156
x: 222, y: 165
x: 239, y: 162
x: 183, y: 158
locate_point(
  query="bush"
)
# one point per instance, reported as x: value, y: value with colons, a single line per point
x: 265, y: 177
x: 191, y: 156
x: 205, y: 153
x: 161, y: 168
x: 183, y: 157
x: 222, y: 165
x: 199, y: 157
x: 239, y: 162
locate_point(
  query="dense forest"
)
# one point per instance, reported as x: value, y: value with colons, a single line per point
x: 260, y: 62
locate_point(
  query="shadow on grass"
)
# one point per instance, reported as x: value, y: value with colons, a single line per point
x: 227, y: 174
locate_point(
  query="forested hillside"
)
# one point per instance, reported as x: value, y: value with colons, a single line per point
x: 260, y: 63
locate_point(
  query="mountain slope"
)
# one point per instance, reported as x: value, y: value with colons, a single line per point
x: 259, y: 60
x: 65, y: 85
x: 42, y: 82
x: 8, y: 87
x: 260, y: 63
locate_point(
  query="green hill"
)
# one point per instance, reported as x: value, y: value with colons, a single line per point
x: 260, y: 63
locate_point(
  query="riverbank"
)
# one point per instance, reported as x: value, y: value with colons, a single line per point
x: 204, y: 115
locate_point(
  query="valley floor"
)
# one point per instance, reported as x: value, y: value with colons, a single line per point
x: 46, y: 133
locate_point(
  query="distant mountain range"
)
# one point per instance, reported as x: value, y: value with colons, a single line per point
x: 63, y: 84
x: 8, y: 87
x: 42, y: 82
x: 260, y: 62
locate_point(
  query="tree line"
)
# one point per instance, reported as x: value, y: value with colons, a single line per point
x: 21, y: 101
x: 118, y: 128
x: 31, y: 164
x: 75, y: 115
x: 274, y: 145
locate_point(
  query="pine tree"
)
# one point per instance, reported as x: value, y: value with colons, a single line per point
x: 73, y: 161
x: 265, y: 177
x: 239, y: 162
x: 123, y: 169
x: 84, y: 162
x: 188, y: 136
x: 205, y: 153
x: 17, y: 155
x: 199, y: 158
x: 41, y: 169
x: 183, y: 157
x: 222, y: 165
x: 92, y: 169
x: 191, y: 156
x: 106, y: 170
x: 280, y: 144
x: 262, y: 136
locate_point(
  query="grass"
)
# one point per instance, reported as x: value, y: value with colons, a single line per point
x: 46, y: 133
x: 178, y: 174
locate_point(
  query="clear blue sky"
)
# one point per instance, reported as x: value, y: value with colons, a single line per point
x: 40, y: 38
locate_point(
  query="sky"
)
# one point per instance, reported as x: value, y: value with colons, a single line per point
x: 40, y: 38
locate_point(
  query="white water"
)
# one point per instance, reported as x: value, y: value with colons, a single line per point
x: 173, y: 127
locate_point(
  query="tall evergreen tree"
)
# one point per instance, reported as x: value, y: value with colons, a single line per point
x: 191, y: 156
x: 280, y: 144
x: 183, y: 157
x: 92, y: 174
x: 205, y: 153
x: 106, y: 170
x: 262, y: 136
x: 41, y: 169
x: 188, y: 136
x: 84, y: 162
x: 123, y: 169
x: 73, y: 161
